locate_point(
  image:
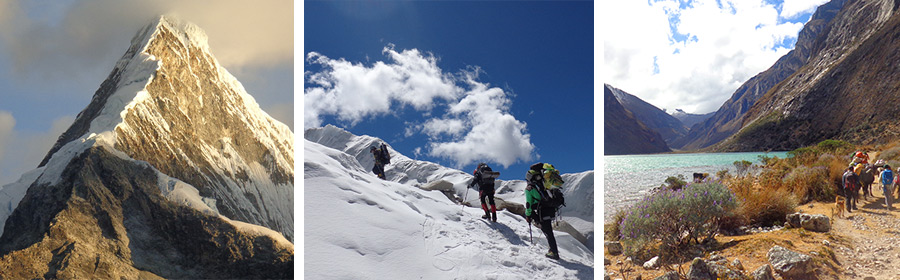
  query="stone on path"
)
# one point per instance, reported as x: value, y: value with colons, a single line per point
x: 700, y: 271
x: 790, y: 264
x: 817, y: 223
x: 764, y: 272
x: 613, y: 247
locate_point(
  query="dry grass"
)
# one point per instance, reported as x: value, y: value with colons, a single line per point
x: 758, y: 205
x: 611, y: 230
x: 751, y: 249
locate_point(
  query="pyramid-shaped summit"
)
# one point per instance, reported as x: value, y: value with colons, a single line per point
x: 172, y: 170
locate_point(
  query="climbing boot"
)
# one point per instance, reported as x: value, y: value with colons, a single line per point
x: 552, y: 255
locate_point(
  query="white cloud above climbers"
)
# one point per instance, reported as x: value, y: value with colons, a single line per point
x: 464, y: 120
x: 693, y: 54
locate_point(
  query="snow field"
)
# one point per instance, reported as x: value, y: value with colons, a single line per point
x: 360, y: 227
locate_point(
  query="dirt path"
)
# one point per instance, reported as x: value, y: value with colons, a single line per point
x: 873, y: 234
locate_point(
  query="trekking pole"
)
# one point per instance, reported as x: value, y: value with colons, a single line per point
x: 529, y: 234
x: 464, y: 199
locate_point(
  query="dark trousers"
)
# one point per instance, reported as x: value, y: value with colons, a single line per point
x: 489, y: 194
x: 379, y: 170
x: 851, y: 195
x: 547, y: 228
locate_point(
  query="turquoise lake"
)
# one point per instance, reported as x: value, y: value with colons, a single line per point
x: 628, y: 178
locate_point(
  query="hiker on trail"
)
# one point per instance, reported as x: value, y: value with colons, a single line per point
x: 540, y: 207
x: 484, y: 178
x: 849, y: 188
x: 382, y: 157
x: 887, y: 185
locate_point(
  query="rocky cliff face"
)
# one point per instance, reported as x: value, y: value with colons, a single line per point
x: 171, y: 171
x: 623, y: 133
x: 655, y: 119
x: 729, y: 118
x: 847, y: 89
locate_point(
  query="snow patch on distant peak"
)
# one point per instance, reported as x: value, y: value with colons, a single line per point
x: 11, y: 194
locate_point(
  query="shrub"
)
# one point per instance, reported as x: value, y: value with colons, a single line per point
x: 741, y: 166
x: 834, y: 146
x: 835, y: 167
x: 674, y: 183
x: 722, y: 174
x: 772, y: 177
x: 757, y: 205
x: 810, y: 183
x: 611, y: 230
x: 676, y: 218
x: 804, y: 155
x: 767, y: 206
x: 766, y: 159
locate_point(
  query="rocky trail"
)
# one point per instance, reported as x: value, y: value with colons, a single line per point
x: 872, y: 250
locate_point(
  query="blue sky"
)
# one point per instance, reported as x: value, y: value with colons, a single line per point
x: 693, y: 54
x: 532, y: 99
x: 54, y: 55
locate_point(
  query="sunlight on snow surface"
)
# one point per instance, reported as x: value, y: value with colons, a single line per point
x: 360, y: 227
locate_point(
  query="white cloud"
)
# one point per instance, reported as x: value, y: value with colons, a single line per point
x: 435, y: 127
x: 696, y: 63
x: 353, y: 91
x: 476, y: 125
x: 495, y: 134
x: 25, y: 149
x: 793, y: 8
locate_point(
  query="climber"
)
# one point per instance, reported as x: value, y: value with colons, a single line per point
x: 484, y: 178
x: 382, y: 158
x: 540, y: 206
x: 850, y: 188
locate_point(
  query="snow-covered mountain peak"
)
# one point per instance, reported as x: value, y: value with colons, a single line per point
x: 169, y: 102
x: 172, y: 170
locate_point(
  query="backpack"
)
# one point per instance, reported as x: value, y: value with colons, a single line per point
x: 384, y: 155
x: 852, y: 181
x: 487, y: 175
x: 551, y: 176
x: 556, y: 199
x: 553, y: 197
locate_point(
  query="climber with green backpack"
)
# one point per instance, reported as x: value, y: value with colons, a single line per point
x: 543, y: 197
